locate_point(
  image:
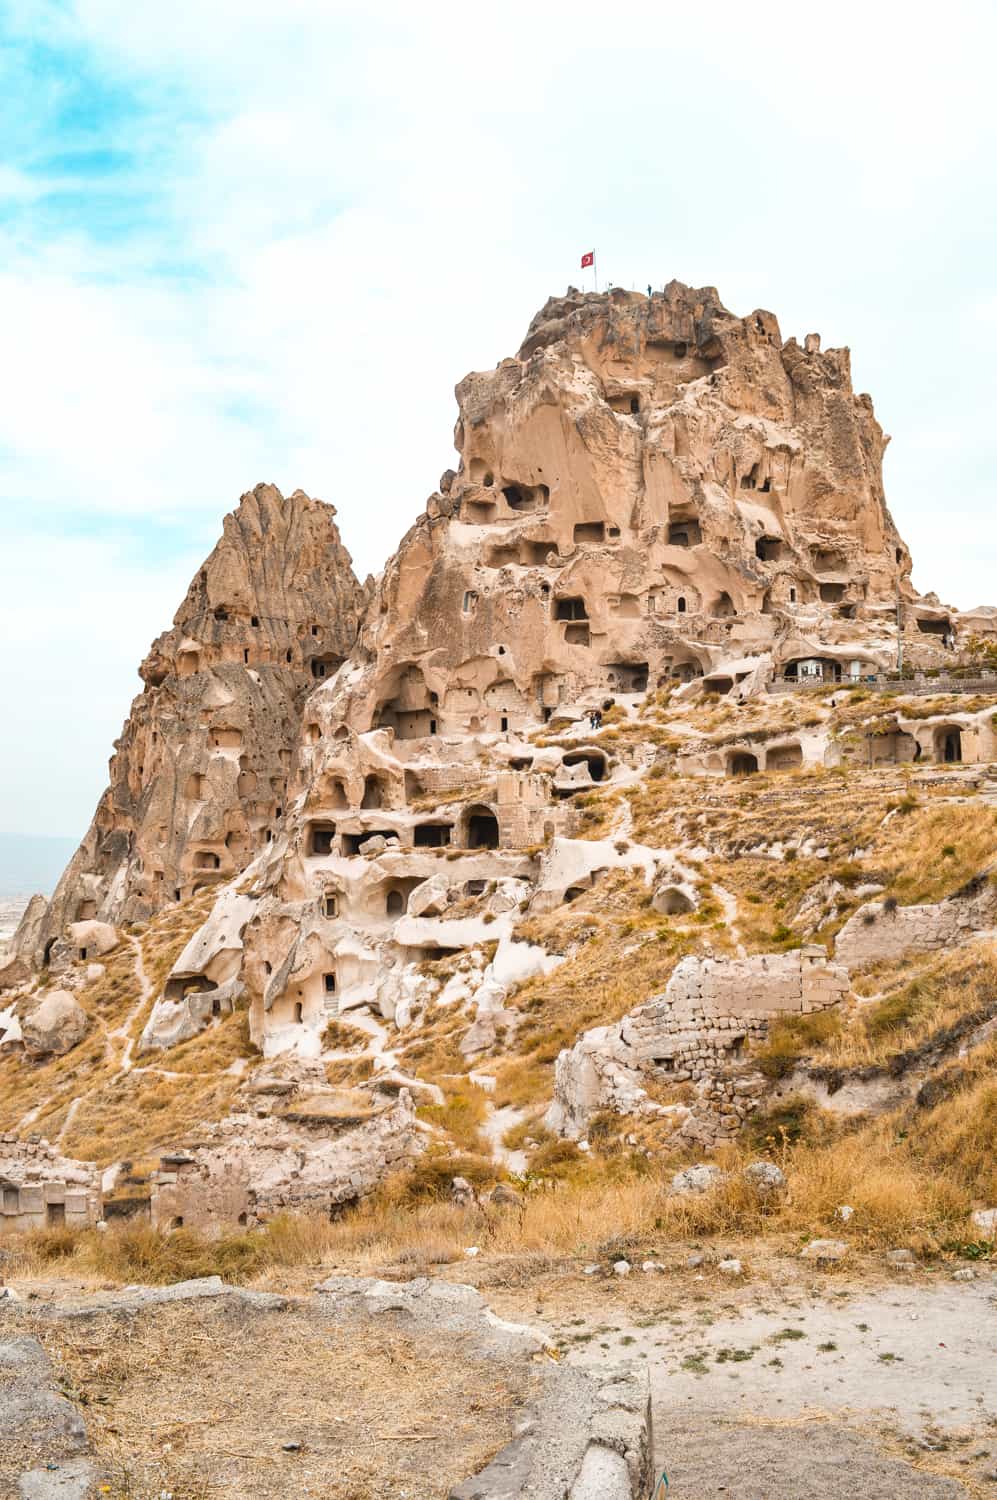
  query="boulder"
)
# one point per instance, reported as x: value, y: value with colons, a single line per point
x: 462, y: 1194
x: 825, y: 1252
x: 694, y: 1180
x: 505, y: 1196
x: 765, y: 1177
x: 430, y: 899
x: 985, y: 1220
x: 93, y: 938
x: 376, y: 844
x: 53, y: 1024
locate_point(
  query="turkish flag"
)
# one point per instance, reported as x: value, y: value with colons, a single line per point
x: 588, y: 259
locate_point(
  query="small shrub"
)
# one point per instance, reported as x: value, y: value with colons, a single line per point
x: 433, y: 1174
x: 787, y: 1122
x: 552, y: 1155
x: 792, y: 1037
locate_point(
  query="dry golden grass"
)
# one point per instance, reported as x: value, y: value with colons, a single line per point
x: 121, y: 1115
x: 953, y: 989
x: 178, y: 1406
x: 911, y: 1176
x: 461, y: 1116
x: 935, y: 849
x: 145, y: 1113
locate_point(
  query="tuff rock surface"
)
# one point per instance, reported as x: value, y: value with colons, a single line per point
x: 199, y: 774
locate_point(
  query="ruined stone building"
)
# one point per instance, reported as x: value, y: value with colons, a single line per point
x: 39, y: 1189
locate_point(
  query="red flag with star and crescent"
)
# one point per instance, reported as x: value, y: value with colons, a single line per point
x: 588, y: 259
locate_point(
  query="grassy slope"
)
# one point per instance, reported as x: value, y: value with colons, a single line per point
x: 912, y: 1174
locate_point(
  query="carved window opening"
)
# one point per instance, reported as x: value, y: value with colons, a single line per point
x: 570, y: 609
x: 769, y: 548
x: 320, y: 838
x: 373, y: 792
x: 948, y: 742
x: 482, y: 829
x: 685, y: 534
x: 595, y: 760
x: 432, y: 835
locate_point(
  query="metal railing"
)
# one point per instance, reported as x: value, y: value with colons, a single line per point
x: 918, y: 686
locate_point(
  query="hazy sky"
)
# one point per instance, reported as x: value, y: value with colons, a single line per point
x: 247, y: 240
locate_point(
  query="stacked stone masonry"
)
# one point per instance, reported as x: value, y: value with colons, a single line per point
x: 699, y: 1031
x: 39, y: 1189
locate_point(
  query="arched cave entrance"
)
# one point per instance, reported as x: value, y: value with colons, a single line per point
x: 482, y: 829
x: 742, y: 763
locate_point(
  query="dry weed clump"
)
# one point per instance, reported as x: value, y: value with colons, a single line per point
x: 461, y: 1115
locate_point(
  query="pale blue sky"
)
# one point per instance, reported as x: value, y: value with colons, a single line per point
x: 263, y: 240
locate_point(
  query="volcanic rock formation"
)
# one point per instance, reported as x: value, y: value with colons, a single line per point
x: 653, y: 494
x: 199, y: 775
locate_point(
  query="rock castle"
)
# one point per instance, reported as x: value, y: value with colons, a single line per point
x: 653, y: 495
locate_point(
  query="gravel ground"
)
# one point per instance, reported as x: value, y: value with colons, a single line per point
x: 776, y: 1394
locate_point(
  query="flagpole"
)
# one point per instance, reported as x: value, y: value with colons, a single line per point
x: 595, y: 273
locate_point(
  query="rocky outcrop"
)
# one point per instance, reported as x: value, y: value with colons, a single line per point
x: 291, y: 1144
x: 881, y: 930
x: 204, y: 982
x: 52, y: 1024
x: 199, y: 775
x: 19, y: 960
x: 653, y: 494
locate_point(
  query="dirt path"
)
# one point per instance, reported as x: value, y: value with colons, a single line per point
x: 494, y: 1128
x: 784, y: 1394
x: 123, y: 1032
